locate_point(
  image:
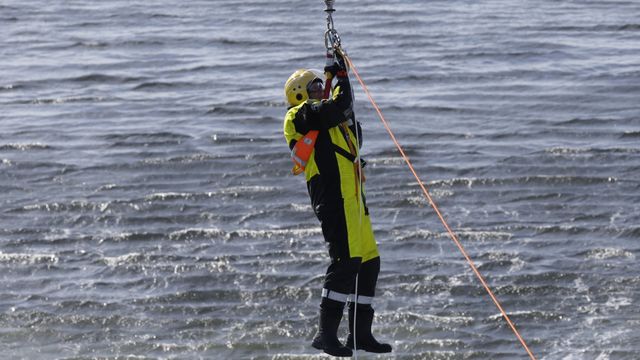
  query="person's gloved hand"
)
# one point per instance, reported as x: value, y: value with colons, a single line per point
x: 338, y: 67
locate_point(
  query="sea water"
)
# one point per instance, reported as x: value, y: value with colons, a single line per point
x: 148, y: 210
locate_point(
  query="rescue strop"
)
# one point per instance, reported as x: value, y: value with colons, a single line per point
x: 302, y: 150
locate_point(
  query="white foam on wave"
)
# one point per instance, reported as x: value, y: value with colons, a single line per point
x: 107, y: 187
x: 277, y: 232
x: 396, y: 160
x: 546, y: 315
x: 25, y: 146
x: 485, y: 235
x: 125, y: 259
x: 234, y: 191
x: 558, y: 150
x: 24, y: 258
x: 609, y: 253
x: 464, y: 181
x: 172, y: 195
x: 75, y: 205
x: 301, y: 207
x: 417, y: 200
x: 245, y: 233
x: 220, y: 265
x: 580, y: 342
x: 204, y: 232
x: 475, y: 235
x: 617, y: 302
x: 248, y: 189
x: 516, y: 262
x: 434, y: 319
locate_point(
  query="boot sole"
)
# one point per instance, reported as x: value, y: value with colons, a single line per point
x: 320, y: 346
x: 375, y: 351
x: 370, y: 350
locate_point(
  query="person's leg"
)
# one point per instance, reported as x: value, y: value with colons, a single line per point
x: 361, y: 313
x: 326, y: 339
x: 338, y: 282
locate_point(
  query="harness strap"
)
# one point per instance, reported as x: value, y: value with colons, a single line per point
x: 349, y: 156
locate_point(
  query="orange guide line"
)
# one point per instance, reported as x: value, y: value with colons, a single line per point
x: 452, y: 234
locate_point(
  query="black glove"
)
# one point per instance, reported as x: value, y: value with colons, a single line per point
x: 338, y: 68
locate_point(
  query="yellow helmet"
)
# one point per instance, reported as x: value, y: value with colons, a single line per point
x: 295, y: 89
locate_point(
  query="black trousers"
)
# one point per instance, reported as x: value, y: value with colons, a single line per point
x: 341, y: 273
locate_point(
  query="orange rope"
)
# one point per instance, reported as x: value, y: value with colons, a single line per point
x: 454, y: 237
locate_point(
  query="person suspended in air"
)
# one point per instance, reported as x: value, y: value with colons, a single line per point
x: 325, y: 141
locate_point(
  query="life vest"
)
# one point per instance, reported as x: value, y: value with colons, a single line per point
x: 302, y: 150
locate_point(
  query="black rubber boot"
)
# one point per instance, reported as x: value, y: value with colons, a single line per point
x: 327, y: 337
x: 365, y: 341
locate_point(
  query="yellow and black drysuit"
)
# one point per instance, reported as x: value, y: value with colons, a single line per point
x: 334, y: 187
x: 338, y: 200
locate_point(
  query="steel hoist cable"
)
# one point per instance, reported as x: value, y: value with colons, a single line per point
x: 333, y: 46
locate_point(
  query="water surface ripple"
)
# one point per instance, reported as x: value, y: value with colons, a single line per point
x: 148, y: 210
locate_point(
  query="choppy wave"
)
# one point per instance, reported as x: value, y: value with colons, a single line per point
x: 25, y: 147
x: 254, y: 234
x: 609, y: 253
x: 526, y: 180
x: 27, y: 259
x: 148, y: 208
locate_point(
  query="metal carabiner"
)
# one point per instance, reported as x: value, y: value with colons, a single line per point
x: 331, y: 37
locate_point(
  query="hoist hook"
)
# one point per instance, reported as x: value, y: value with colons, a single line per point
x: 332, y: 44
x: 331, y: 37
